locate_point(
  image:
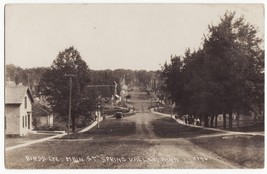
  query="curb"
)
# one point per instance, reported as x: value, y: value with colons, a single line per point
x: 93, y: 124
x: 33, y: 142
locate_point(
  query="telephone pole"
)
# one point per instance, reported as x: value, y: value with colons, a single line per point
x: 70, y: 82
x: 98, y: 111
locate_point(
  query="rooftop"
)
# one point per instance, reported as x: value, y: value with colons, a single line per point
x: 15, y: 94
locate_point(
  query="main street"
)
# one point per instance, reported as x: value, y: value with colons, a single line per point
x: 144, y: 140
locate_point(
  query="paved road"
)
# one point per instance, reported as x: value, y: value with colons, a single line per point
x: 138, y: 141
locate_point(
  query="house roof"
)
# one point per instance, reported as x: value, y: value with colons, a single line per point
x: 40, y: 110
x: 15, y: 94
x: 10, y: 84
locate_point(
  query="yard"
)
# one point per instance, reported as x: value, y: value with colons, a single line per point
x: 245, y: 150
x: 13, y: 141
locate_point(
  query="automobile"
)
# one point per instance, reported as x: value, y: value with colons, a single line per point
x: 122, y: 109
x: 118, y: 115
x: 113, y: 110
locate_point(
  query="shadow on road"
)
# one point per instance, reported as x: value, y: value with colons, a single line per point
x: 168, y: 128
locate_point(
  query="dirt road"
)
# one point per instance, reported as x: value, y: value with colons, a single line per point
x: 170, y: 152
x: 144, y: 140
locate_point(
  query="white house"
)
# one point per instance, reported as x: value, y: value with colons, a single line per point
x: 18, y: 110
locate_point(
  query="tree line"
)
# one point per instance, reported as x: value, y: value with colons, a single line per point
x: 53, y: 83
x: 224, y: 76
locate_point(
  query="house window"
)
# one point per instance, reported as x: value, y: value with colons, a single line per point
x: 25, y: 102
x: 26, y: 120
x: 29, y: 121
x: 22, y: 121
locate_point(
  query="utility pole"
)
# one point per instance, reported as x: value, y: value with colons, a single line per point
x: 98, y: 107
x: 151, y: 103
x: 70, y: 77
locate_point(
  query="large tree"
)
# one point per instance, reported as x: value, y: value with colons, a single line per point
x: 235, y: 60
x: 171, y: 76
x: 55, y: 84
x: 225, y: 76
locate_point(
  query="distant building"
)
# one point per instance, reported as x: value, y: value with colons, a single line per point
x: 18, y: 109
x: 43, y: 115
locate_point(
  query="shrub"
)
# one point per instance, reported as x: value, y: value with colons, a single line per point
x: 58, y: 127
x: 55, y: 127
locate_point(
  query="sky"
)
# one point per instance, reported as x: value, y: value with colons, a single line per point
x: 112, y: 36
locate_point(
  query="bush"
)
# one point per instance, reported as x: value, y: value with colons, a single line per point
x: 81, y: 124
x: 55, y: 127
x: 58, y: 127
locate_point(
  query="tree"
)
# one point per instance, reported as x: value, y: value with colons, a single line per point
x: 235, y: 60
x: 16, y: 74
x: 171, y: 75
x: 55, y: 85
x: 28, y: 77
x: 144, y: 78
x: 225, y: 76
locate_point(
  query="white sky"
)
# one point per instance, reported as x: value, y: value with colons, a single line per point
x: 111, y: 36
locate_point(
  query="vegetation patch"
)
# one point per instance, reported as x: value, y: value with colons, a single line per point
x: 107, y: 128
x: 168, y: 128
x: 257, y: 127
x: 12, y: 141
x: 245, y: 150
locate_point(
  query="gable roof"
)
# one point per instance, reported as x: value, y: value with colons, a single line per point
x: 40, y: 110
x: 15, y: 94
x: 10, y: 84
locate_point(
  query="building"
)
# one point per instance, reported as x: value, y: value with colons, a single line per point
x: 18, y: 109
x: 42, y: 114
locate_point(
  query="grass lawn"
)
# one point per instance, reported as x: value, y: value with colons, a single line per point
x: 258, y: 127
x: 108, y: 128
x: 90, y: 153
x: 12, y: 141
x: 80, y: 145
x: 170, y: 129
x: 247, y: 151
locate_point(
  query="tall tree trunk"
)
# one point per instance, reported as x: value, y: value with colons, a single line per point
x: 237, y: 120
x: 73, y: 123
x: 224, y: 120
x: 230, y: 120
x: 206, y: 121
x: 200, y: 120
x: 216, y: 120
x: 211, y: 121
x: 255, y: 116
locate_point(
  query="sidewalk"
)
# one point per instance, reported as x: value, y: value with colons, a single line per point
x: 93, y: 124
x: 90, y: 126
x: 30, y: 142
x: 207, y: 128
